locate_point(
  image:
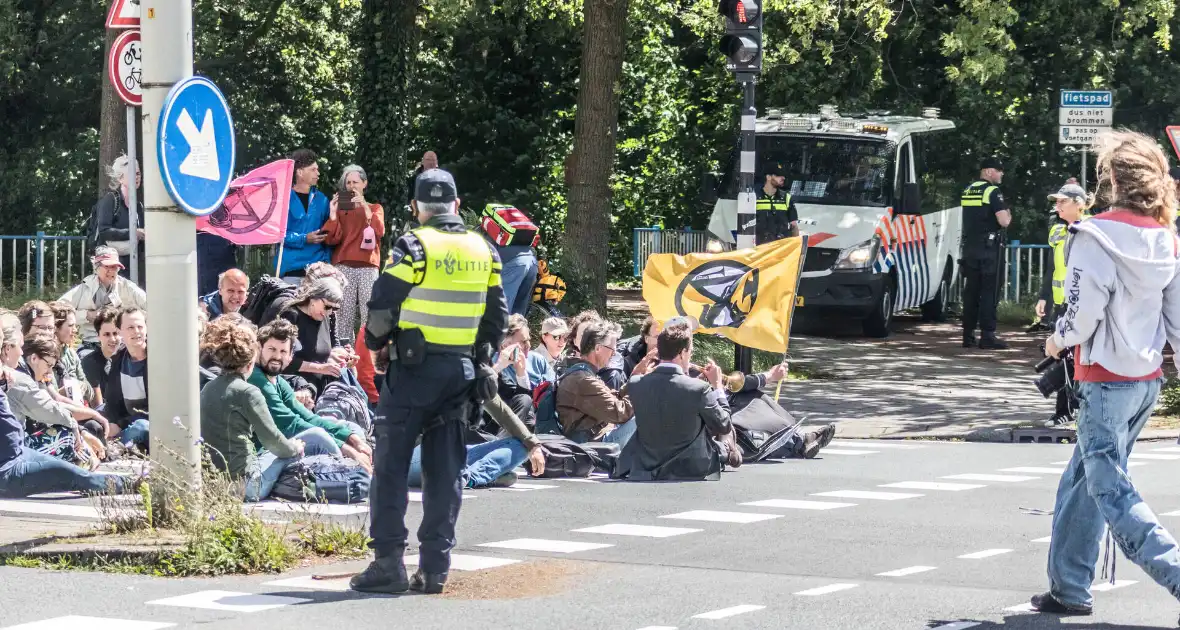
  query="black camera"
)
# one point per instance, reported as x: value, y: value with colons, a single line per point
x: 1055, y: 373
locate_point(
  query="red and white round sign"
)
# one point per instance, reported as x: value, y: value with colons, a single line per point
x: 126, y: 67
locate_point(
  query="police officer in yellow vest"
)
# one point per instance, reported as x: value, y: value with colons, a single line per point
x: 1070, y: 205
x: 985, y: 216
x: 440, y: 309
x: 776, y: 215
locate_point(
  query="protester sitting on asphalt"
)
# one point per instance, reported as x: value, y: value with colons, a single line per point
x: 683, y: 429
x: 105, y: 287
x: 510, y: 363
x: 25, y: 471
x: 752, y: 410
x: 291, y: 417
x: 587, y: 409
x: 126, y: 385
x: 635, y: 349
x: 68, y: 374
x: 236, y: 426
x: 35, y: 316
x: 541, y: 360
x: 232, y: 288
x: 95, y: 365
x: 493, y: 464
x: 319, y: 358
x: 611, y: 373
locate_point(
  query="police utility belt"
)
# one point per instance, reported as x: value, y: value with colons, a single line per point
x: 411, y: 348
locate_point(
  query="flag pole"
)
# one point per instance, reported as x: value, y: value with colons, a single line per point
x: 279, y: 260
x: 790, y: 316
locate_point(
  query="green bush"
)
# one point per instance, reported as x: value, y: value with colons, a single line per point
x: 1169, y: 402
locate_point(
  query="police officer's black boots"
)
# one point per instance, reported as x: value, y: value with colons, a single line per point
x: 428, y: 583
x: 988, y: 341
x: 969, y: 340
x: 385, y: 574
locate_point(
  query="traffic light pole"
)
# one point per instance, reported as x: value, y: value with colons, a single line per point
x: 747, y: 216
x: 167, y: 32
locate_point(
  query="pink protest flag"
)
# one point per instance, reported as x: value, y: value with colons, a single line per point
x: 255, y: 210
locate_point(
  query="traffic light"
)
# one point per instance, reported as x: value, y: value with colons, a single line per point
x: 742, y: 43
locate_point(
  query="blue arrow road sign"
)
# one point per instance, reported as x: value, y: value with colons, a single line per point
x: 195, y: 145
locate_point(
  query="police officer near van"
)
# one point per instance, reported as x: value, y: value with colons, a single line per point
x: 439, y: 309
x: 776, y: 214
x: 985, y: 217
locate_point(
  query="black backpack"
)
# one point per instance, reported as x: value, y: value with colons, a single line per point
x: 92, y: 223
x: 262, y: 295
x: 344, y: 403
x: 566, y: 458
x: 324, y: 478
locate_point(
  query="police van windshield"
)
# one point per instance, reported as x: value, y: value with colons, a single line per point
x: 827, y: 170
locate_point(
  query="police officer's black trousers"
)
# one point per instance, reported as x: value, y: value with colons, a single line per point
x: 980, y: 293
x: 432, y: 400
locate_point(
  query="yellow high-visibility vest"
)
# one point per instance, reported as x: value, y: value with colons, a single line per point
x: 449, y: 295
x: 768, y: 202
x: 1058, y: 239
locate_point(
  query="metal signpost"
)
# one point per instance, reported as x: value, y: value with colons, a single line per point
x: 125, y: 66
x: 1081, y: 116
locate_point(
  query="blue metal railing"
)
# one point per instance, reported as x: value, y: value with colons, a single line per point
x: 654, y: 240
x: 63, y: 258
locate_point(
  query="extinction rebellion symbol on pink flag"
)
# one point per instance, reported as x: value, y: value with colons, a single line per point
x: 255, y: 209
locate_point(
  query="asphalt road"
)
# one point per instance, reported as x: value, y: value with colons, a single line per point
x: 924, y: 556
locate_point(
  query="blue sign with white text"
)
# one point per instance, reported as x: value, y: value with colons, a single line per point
x: 195, y: 146
x: 1087, y: 98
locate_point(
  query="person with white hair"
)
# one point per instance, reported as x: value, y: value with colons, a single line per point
x: 354, y: 230
x: 113, y: 218
x: 105, y: 287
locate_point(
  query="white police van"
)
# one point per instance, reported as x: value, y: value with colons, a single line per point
x: 878, y: 196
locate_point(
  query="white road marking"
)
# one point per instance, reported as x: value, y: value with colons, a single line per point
x: 541, y: 544
x: 933, y: 485
x: 1036, y: 470
x: 646, y: 531
x: 416, y: 497
x: 332, y: 509
x: 466, y: 562
x: 867, y: 494
x: 48, y: 509
x: 824, y: 590
x: 335, y: 584
x: 1021, y: 608
x: 986, y: 553
x: 1155, y: 456
x: 1042, y: 540
x: 1063, y: 463
x: 1170, y: 449
x: 229, y: 601
x: 525, y: 487
x: 860, y: 444
x: 728, y: 612
x: 658, y: 628
x: 906, y: 571
x: 576, y: 479
x: 958, y: 625
x: 1133, y: 464
x: 1107, y: 586
x: 986, y: 477
x: 722, y: 517
x: 841, y: 451
x: 792, y: 504
x: 1172, y: 513
x: 74, y: 622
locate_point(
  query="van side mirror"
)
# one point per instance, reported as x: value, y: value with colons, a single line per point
x: 911, y: 199
x: 708, y: 192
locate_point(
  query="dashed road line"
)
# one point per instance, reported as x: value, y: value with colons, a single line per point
x: 722, y: 517
x: 1042, y: 540
x: 826, y: 590
x: 73, y: 622
x: 906, y: 571
x: 841, y: 451
x: 1155, y: 456
x: 1107, y: 586
x: 729, y: 612
x: 795, y: 504
x: 990, y: 477
x: 541, y: 544
x: 1020, y: 608
x: 958, y: 625
x: 644, y: 531
x: 986, y: 553
x: 1036, y: 470
x: 339, y: 585
x: 939, y: 486
x: 887, y: 445
x: 229, y: 601
x: 468, y: 562
x: 868, y: 494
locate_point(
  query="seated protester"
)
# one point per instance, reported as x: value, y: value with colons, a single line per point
x: 493, y: 464
x: 235, y: 422
x: 105, y: 287
x: 514, y: 387
x: 35, y: 316
x: 25, y: 471
x: 96, y: 364
x: 209, y: 369
x: 542, y: 359
x: 305, y: 392
x: 291, y: 417
x: 232, y: 288
x: 635, y: 349
x: 680, y: 420
x: 612, y: 372
x: 366, y: 370
x: 126, y: 388
x: 68, y: 374
x: 319, y: 357
x: 755, y: 411
x: 587, y: 409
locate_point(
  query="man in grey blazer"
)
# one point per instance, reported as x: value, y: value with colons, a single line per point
x: 683, y: 429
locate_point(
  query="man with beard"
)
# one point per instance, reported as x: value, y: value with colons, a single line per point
x: 289, y: 415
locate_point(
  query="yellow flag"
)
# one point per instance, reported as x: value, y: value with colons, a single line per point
x: 746, y: 295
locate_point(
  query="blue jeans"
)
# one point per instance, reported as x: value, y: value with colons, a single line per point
x: 36, y: 473
x: 135, y: 433
x: 485, y: 462
x: 1095, y: 491
x: 518, y: 276
x: 267, y: 467
x: 620, y: 435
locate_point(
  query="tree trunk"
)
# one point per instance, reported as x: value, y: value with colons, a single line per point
x: 113, y: 121
x: 588, y: 221
x: 389, y: 38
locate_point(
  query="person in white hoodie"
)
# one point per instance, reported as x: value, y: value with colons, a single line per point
x: 1122, y: 301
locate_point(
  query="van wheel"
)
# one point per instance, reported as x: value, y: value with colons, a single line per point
x: 877, y: 323
x: 935, y: 309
